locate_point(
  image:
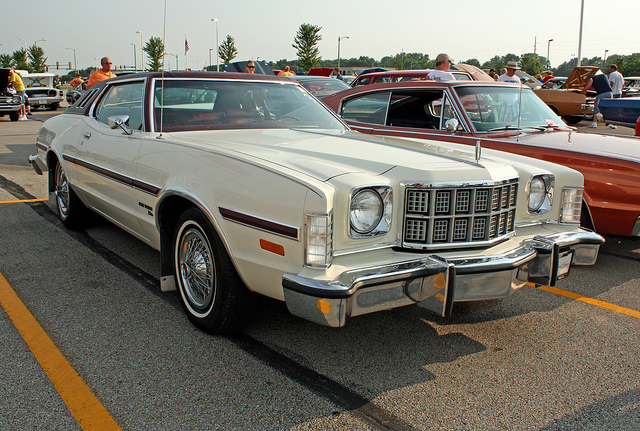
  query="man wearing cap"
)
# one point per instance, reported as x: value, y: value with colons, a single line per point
x: 510, y: 76
x: 442, y: 69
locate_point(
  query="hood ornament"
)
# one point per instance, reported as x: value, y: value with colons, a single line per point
x: 478, y: 151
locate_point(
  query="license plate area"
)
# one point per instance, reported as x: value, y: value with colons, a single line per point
x: 565, y: 259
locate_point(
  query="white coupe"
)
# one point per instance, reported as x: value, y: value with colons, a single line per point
x: 248, y: 184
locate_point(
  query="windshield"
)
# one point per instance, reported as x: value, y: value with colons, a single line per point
x: 201, y: 104
x: 323, y: 87
x: 503, y: 108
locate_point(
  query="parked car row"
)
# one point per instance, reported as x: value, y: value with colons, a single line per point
x: 506, y: 118
x: 247, y: 185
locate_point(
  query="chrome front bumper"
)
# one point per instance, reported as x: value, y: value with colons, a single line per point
x: 435, y: 283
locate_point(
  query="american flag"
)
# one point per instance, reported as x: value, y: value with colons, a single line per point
x: 186, y: 46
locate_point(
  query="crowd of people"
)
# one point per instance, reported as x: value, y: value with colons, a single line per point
x: 604, y: 87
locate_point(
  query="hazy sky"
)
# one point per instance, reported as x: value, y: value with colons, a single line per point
x: 265, y: 29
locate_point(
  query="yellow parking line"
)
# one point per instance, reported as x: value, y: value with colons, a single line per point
x: 83, y: 404
x: 23, y: 200
x: 588, y: 300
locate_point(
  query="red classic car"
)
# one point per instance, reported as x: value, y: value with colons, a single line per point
x: 402, y: 75
x: 509, y: 118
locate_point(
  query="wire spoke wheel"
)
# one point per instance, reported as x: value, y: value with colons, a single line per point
x: 62, y: 192
x: 213, y: 296
x: 197, y: 268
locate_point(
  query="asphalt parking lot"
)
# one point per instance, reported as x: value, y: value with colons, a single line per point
x: 114, y: 352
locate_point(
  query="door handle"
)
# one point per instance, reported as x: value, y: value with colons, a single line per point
x: 86, y: 135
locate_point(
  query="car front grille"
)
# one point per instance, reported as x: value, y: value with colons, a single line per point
x: 459, y: 216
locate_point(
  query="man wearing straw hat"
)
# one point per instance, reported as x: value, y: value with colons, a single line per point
x: 510, y: 76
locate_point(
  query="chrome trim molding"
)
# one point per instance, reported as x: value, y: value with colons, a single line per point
x: 434, y: 282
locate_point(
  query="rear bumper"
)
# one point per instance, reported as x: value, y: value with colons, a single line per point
x: 435, y: 283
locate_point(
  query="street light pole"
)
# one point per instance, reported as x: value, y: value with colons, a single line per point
x: 210, y: 64
x: 135, y: 61
x: 39, y: 40
x: 75, y: 65
x: 176, y: 56
x: 548, y: 48
x: 141, y: 51
x: 580, y: 35
x: 217, y: 46
x: 25, y: 43
x: 340, y: 38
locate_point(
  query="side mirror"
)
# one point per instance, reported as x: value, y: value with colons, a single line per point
x: 451, y: 125
x: 121, y: 121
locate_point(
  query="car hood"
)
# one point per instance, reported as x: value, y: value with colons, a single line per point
x: 327, y: 154
x: 622, y: 147
x: 579, y: 77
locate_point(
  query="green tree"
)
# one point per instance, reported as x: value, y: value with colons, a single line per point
x: 155, y: 51
x: 306, y: 45
x: 6, y: 60
x: 417, y: 60
x: 37, y: 60
x: 533, y: 63
x: 227, y: 50
x: 496, y: 63
x: 473, y: 61
x: 20, y: 59
x: 399, y: 60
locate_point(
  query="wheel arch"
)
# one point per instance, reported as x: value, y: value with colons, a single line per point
x: 169, y: 209
x: 52, y: 161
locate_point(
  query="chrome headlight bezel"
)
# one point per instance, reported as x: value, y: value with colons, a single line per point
x: 370, y: 211
x: 540, y: 193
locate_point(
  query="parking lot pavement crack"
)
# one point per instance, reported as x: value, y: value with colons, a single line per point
x: 15, y: 189
x: 322, y: 385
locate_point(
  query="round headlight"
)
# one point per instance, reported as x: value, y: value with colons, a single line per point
x: 16, y: 100
x: 537, y: 193
x: 366, y: 211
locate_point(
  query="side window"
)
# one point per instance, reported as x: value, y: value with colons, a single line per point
x: 416, y: 109
x: 370, y: 108
x: 363, y: 81
x: 122, y: 99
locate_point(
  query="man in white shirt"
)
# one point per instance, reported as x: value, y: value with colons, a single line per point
x: 510, y: 76
x: 616, y: 80
x: 442, y: 69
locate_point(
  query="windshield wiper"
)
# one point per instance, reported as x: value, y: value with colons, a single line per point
x: 507, y: 127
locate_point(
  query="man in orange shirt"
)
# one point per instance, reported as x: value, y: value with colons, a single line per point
x: 76, y: 81
x: 101, y: 74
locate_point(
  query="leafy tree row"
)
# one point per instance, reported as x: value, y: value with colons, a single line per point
x: 31, y: 59
x: 308, y: 56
